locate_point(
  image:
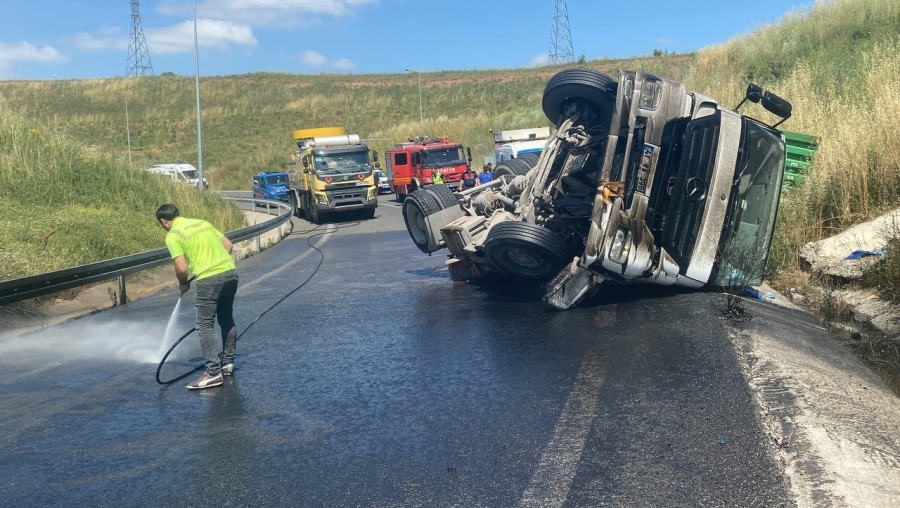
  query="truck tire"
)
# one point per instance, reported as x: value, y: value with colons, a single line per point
x: 368, y: 213
x: 511, y: 168
x: 580, y: 85
x: 294, y: 208
x: 444, y: 195
x: 526, y: 250
x: 530, y: 158
x: 312, y: 213
x: 416, y: 207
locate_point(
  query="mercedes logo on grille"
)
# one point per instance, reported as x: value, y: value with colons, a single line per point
x: 695, y: 189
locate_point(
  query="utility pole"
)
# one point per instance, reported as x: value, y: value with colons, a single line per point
x: 560, y: 35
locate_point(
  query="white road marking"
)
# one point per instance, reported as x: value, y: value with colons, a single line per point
x: 331, y: 229
x: 553, y: 476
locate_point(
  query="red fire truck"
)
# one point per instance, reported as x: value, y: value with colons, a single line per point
x: 410, y: 165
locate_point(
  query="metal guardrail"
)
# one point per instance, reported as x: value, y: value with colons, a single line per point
x: 16, y: 290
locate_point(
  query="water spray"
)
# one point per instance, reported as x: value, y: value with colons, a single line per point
x: 192, y: 330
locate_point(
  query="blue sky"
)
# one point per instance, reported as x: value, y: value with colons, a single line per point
x: 66, y: 39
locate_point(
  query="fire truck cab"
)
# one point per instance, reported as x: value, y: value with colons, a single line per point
x: 410, y: 165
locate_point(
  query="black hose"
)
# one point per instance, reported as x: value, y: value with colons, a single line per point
x: 316, y: 270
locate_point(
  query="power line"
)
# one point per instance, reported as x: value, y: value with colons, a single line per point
x: 138, y: 55
x: 560, y: 36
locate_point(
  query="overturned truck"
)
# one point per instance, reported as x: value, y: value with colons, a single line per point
x: 642, y: 181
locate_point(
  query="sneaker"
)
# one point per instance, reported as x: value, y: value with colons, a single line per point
x: 206, y: 381
x: 227, y: 369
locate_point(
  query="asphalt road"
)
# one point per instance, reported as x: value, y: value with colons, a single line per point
x: 380, y: 382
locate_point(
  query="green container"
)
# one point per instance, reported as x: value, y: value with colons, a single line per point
x: 801, y: 150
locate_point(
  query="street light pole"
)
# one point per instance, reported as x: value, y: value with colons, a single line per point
x: 127, y: 124
x: 197, y: 87
x: 421, y: 115
x: 128, y: 130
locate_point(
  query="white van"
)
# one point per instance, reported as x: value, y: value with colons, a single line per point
x: 179, y: 172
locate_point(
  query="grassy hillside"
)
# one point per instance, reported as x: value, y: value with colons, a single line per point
x: 837, y: 62
x: 66, y: 205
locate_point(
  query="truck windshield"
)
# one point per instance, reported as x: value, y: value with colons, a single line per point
x: 276, y: 180
x: 444, y: 157
x: 342, y: 163
x: 756, y: 192
x: 190, y: 174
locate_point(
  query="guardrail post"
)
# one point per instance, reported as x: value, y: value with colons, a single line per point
x: 258, y: 248
x: 123, y: 299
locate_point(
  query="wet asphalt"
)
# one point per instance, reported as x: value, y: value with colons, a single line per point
x: 380, y: 382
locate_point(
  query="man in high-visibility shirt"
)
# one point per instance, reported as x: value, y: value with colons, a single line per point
x: 200, y: 249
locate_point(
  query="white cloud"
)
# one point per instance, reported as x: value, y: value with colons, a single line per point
x: 265, y: 12
x: 343, y: 64
x: 663, y: 40
x: 210, y: 34
x: 317, y: 60
x: 312, y: 59
x: 27, y: 52
x: 10, y: 53
x: 539, y: 60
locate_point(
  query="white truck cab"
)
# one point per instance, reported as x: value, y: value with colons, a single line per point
x: 514, y: 143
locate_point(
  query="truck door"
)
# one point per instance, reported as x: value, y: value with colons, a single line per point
x: 389, y: 166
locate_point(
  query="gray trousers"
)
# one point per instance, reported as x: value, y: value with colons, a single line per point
x: 214, y: 300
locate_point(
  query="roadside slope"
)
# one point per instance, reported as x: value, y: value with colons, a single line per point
x: 832, y: 421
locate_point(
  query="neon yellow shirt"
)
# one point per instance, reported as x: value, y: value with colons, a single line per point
x: 201, y: 244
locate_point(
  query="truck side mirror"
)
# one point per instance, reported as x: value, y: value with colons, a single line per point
x: 776, y: 105
x: 469, y: 153
x: 374, y: 156
x: 754, y: 93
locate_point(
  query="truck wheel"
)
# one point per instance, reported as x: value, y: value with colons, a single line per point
x: 587, y: 86
x: 312, y: 213
x: 444, y: 195
x: 416, y: 208
x: 525, y: 250
x: 368, y: 213
x: 530, y: 158
x: 511, y: 169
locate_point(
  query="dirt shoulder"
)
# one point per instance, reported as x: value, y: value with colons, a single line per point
x: 30, y: 315
x: 831, y: 419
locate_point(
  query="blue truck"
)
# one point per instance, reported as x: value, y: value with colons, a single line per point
x: 271, y: 185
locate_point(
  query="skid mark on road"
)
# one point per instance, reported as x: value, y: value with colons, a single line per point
x: 553, y: 476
